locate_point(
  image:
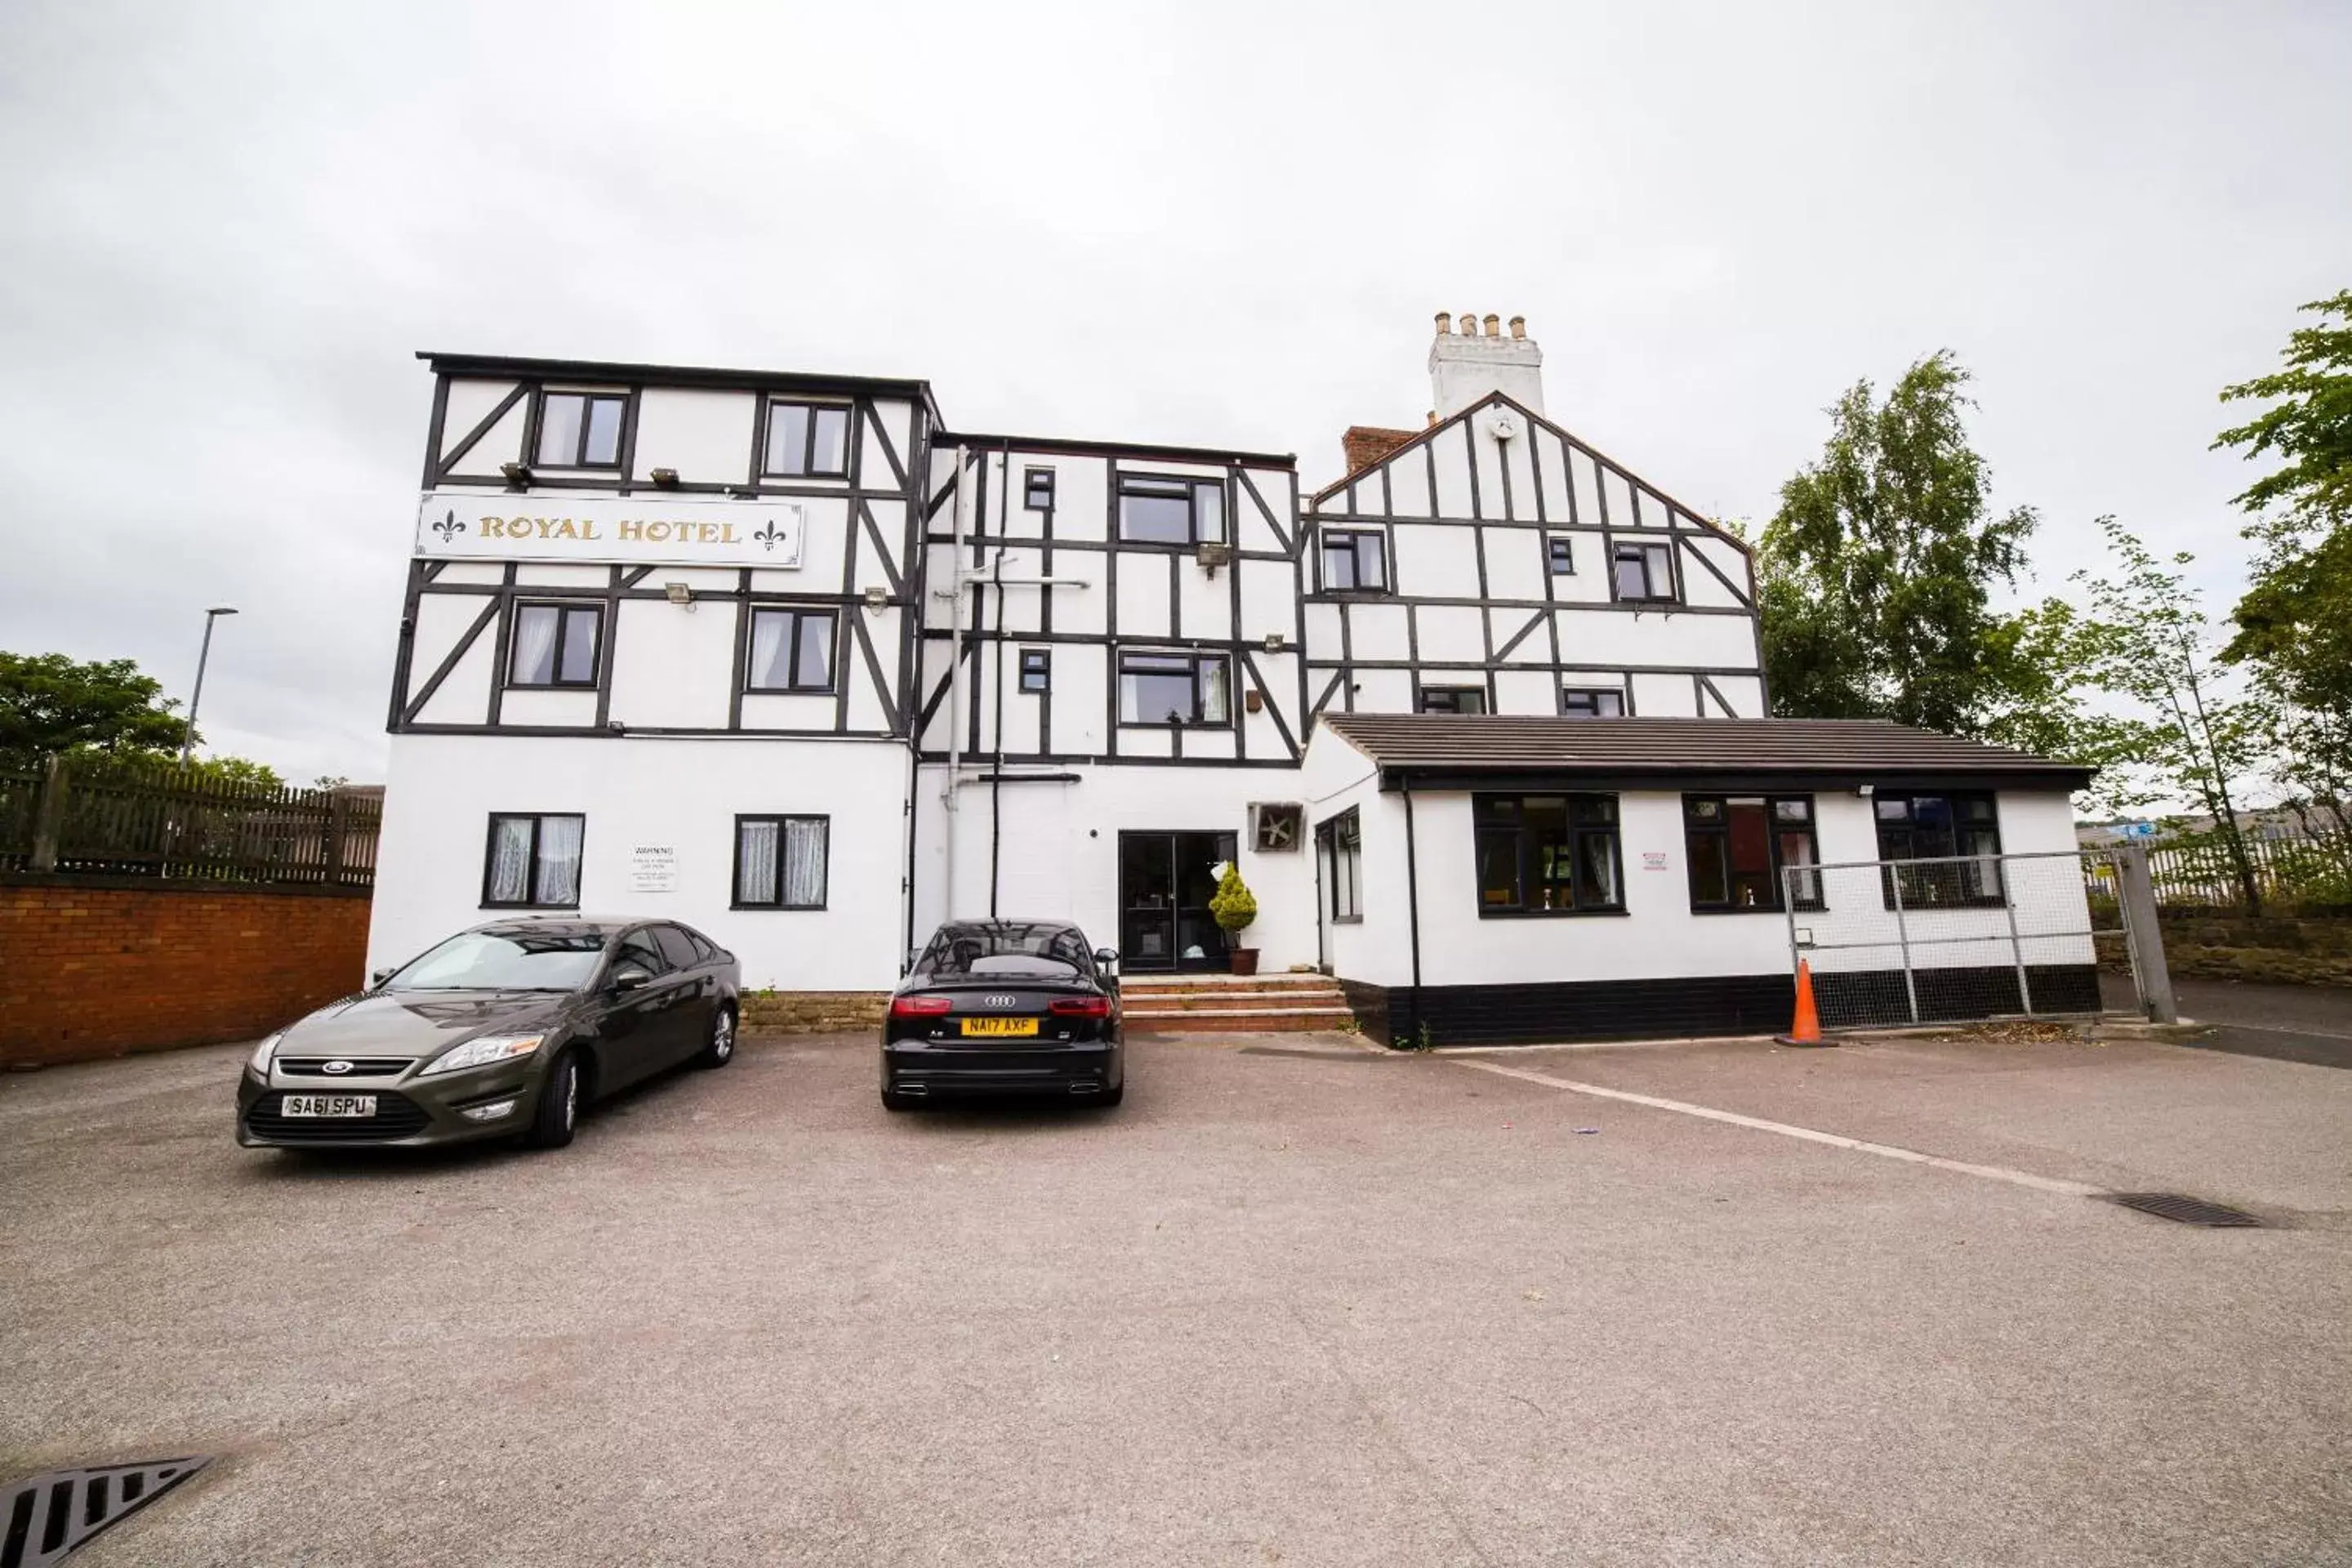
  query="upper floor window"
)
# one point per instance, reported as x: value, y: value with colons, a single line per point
x: 1037, y: 671
x: 1161, y: 510
x: 1452, y: 700
x: 1341, y: 843
x: 1742, y: 848
x: 1958, y: 833
x: 554, y: 644
x: 579, y: 430
x: 1559, y: 555
x: 791, y: 651
x: 807, y: 441
x: 1591, y: 702
x: 1354, y: 560
x: 1175, y: 689
x: 1037, y: 489
x: 534, y: 861
x: 1546, y: 854
x: 1643, y: 571
x: 779, y: 861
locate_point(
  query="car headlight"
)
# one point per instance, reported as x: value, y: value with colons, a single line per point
x: 482, y: 1051
x: 264, y: 1051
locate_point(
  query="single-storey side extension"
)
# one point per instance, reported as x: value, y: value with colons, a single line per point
x: 1496, y: 878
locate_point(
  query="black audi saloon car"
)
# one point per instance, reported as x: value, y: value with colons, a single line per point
x: 503, y: 1031
x: 1005, y: 1006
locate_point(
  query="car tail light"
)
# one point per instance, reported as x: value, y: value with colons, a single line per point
x: 1079, y: 1007
x: 920, y: 1007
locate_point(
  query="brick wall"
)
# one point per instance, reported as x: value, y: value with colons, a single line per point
x: 2224, y: 945
x: 813, y: 1011
x: 97, y: 968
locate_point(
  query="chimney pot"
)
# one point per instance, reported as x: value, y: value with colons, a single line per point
x: 1518, y: 326
x: 1494, y: 326
x: 1444, y: 323
x: 1469, y: 325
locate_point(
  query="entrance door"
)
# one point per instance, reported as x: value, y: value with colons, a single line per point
x: 1164, y: 886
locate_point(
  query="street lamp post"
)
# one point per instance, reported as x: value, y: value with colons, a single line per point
x: 188, y: 742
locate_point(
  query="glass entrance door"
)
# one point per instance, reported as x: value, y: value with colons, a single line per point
x: 1165, y: 882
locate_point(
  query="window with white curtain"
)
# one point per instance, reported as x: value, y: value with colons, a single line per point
x: 534, y: 861
x: 791, y: 651
x: 1175, y: 689
x: 579, y: 430
x: 807, y: 440
x: 554, y: 644
x: 779, y: 861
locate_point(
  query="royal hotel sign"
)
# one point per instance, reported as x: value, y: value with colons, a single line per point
x: 624, y: 529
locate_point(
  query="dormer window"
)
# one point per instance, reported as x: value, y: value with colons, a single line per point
x: 807, y: 441
x: 579, y: 430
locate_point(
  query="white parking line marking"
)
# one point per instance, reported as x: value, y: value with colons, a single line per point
x: 2275, y: 1029
x: 1811, y: 1135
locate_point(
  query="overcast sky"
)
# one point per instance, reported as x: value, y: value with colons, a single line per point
x: 229, y: 227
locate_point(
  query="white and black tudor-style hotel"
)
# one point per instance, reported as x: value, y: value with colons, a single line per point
x: 788, y: 658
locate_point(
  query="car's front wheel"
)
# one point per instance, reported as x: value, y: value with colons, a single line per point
x: 558, y: 1114
x: 719, y: 1046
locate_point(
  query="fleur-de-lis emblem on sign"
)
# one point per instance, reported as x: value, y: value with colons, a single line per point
x: 771, y: 536
x: 448, y: 527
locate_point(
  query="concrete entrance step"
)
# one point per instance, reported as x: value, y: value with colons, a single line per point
x: 1238, y: 1000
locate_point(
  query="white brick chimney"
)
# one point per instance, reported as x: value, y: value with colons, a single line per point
x: 1465, y: 365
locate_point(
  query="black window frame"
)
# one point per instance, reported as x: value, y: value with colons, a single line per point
x: 1694, y: 826
x: 1618, y: 549
x: 1197, y: 658
x: 1334, y: 835
x: 1037, y: 489
x: 1956, y: 883
x: 814, y: 406
x: 792, y: 650
x: 1559, y: 556
x: 1568, y: 711
x: 538, y: 820
x: 1194, y: 483
x: 1489, y: 820
x: 1421, y: 695
x: 1354, y: 540
x: 780, y: 818
x: 565, y: 610
x: 588, y: 399
x: 1037, y: 666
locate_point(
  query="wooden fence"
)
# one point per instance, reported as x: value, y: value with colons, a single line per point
x: 2291, y: 871
x: 71, y: 816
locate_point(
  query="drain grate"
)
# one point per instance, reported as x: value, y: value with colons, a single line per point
x: 49, y: 1515
x: 2176, y: 1206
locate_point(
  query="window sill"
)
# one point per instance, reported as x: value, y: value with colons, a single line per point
x: 573, y: 907
x: 1167, y: 544
x: 778, y: 909
x: 1212, y: 727
x: 788, y: 691
x: 1485, y: 914
x: 550, y: 686
x: 794, y: 478
x: 1347, y: 919
x: 1927, y: 907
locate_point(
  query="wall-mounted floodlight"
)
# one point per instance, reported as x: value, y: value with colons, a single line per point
x: 666, y: 478
x: 680, y: 593
x: 518, y: 474
x: 876, y: 599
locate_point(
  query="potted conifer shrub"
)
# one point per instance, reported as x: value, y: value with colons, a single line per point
x: 1233, y: 907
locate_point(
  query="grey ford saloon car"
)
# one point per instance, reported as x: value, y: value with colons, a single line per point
x: 503, y: 1031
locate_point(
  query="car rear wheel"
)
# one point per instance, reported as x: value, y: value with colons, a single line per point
x: 558, y: 1115
x: 719, y: 1046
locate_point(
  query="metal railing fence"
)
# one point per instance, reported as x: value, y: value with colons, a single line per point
x: 1890, y: 942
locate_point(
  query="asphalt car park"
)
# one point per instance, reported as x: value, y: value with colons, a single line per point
x: 1293, y: 1301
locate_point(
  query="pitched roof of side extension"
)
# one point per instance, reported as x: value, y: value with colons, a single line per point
x: 1466, y: 751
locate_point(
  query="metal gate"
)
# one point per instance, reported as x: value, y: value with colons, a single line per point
x: 1892, y: 942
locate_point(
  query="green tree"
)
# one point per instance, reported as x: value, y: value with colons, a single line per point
x: 1878, y: 570
x: 50, y: 703
x: 2145, y: 637
x: 2309, y: 424
x: 237, y: 769
x: 2295, y: 622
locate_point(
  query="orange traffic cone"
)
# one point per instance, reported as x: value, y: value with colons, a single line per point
x: 1806, y: 1028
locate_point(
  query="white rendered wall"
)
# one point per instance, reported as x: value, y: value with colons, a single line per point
x: 684, y: 794
x: 1057, y: 849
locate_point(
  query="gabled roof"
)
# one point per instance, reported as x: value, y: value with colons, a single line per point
x: 1496, y: 399
x: 1464, y: 751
